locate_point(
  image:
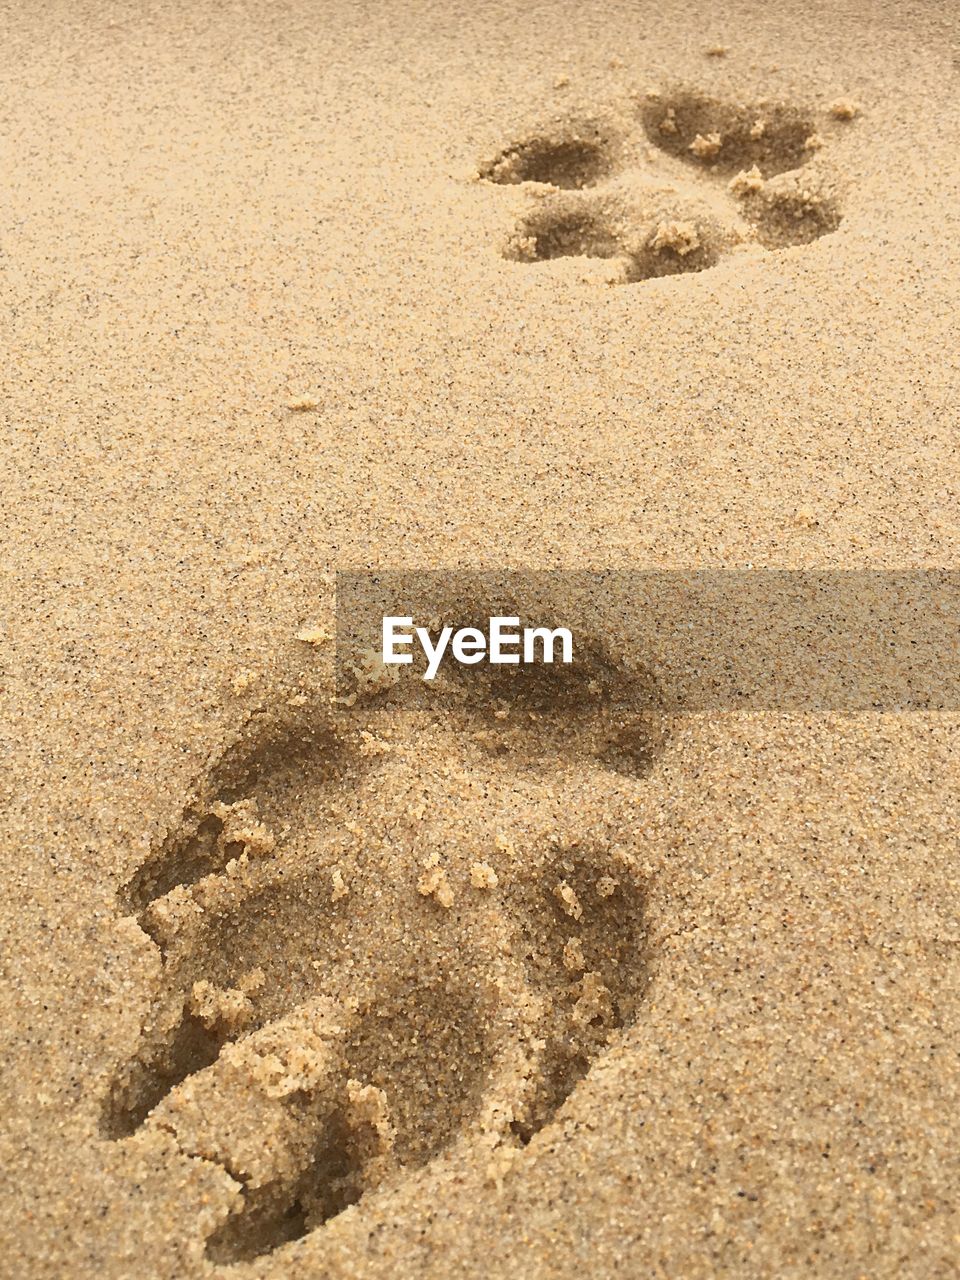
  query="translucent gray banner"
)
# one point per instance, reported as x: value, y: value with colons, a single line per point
x: 839, y: 640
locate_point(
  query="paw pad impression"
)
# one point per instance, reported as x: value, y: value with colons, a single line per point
x: 699, y: 177
x: 319, y: 1031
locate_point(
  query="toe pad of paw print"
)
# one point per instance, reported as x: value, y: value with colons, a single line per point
x: 674, y: 188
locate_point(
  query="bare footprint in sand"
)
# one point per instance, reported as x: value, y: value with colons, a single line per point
x: 698, y: 179
x: 348, y: 988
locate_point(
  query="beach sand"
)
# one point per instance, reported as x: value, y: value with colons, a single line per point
x: 289, y: 289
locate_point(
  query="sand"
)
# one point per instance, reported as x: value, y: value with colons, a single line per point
x: 292, y: 991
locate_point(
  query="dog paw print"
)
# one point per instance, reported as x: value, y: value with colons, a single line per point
x: 359, y: 973
x: 686, y: 180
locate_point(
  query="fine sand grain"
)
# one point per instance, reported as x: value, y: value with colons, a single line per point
x: 291, y: 990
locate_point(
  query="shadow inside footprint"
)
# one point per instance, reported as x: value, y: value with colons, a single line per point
x: 650, y: 240
x: 563, y: 228
x: 784, y: 214
x: 544, y: 716
x: 572, y: 154
x: 268, y: 759
x: 331, y: 1182
x: 674, y: 246
x: 187, y: 1049
x: 725, y: 137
